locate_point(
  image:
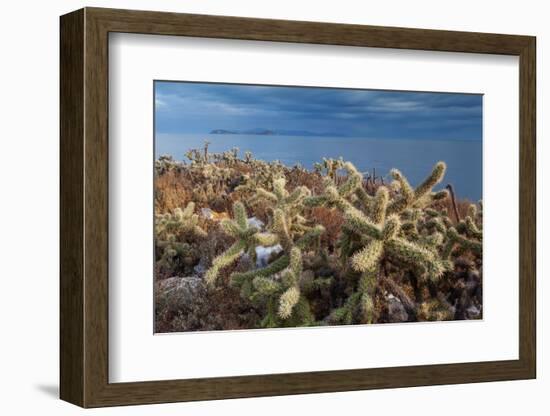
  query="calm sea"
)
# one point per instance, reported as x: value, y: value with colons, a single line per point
x: 414, y: 158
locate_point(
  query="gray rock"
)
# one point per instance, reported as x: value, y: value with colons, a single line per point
x: 200, y: 269
x: 263, y: 254
x: 396, y: 310
x: 179, y: 294
x: 207, y: 213
x: 473, y: 312
x: 255, y: 222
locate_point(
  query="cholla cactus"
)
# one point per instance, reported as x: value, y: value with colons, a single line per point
x: 247, y: 238
x: 280, y: 198
x: 264, y: 175
x: 379, y: 232
x: 285, y: 305
x: 290, y: 241
x: 176, y: 254
x: 176, y: 232
x: 196, y: 157
x: 228, y: 158
x: 467, y: 235
x: 277, y: 284
x: 166, y: 163
x: 179, y: 222
x: 422, y: 196
x: 287, y: 205
x: 342, y: 196
x: 329, y: 167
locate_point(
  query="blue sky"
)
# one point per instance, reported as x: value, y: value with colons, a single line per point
x: 198, y: 108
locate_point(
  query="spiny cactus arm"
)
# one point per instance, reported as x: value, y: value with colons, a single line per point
x: 167, y: 256
x: 223, y: 260
x: 280, y: 228
x: 368, y: 257
x: 343, y: 205
x: 344, y: 314
x: 435, y: 269
x: 446, y: 220
x: 170, y: 239
x: 367, y: 288
x: 239, y: 213
x: 364, y: 198
x: 466, y: 243
x: 189, y: 210
x: 439, y: 195
x: 433, y: 179
x: 411, y: 214
x: 287, y: 301
x: 181, y: 248
x: 405, y: 189
x: 345, y: 245
x: 300, y: 229
x: 199, y: 232
x: 471, y: 228
x: 380, y: 205
x: 316, y: 201
x: 175, y: 250
x: 310, y: 237
x: 279, y: 188
x: 430, y: 212
x: 437, y: 224
x: 301, y: 314
x: 330, y: 198
x: 261, y: 193
x: 391, y: 227
x: 180, y: 221
x: 266, y: 286
x: 300, y: 218
x: 265, y: 239
x: 298, y: 195
x: 353, y: 181
x: 410, y: 230
x: 407, y: 252
x: 231, y: 228
x: 421, y: 196
x: 357, y: 223
x: 433, y: 240
x: 296, y: 264
x: 272, y: 268
x: 472, y: 211
x: 406, y: 196
x: 270, y: 319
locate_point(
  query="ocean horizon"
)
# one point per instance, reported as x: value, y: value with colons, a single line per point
x: 414, y: 157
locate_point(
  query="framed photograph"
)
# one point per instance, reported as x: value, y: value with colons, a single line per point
x: 255, y: 207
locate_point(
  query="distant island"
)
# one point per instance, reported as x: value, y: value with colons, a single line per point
x: 268, y: 132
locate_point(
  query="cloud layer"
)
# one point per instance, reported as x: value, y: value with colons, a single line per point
x: 182, y: 107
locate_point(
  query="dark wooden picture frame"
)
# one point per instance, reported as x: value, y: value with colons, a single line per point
x: 84, y: 207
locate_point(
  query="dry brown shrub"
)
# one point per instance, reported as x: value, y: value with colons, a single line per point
x: 298, y: 177
x: 332, y: 219
x: 172, y: 190
x: 462, y: 206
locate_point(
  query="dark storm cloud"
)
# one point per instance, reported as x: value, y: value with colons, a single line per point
x: 200, y: 107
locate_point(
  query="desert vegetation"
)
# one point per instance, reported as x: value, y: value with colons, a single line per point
x: 242, y: 243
